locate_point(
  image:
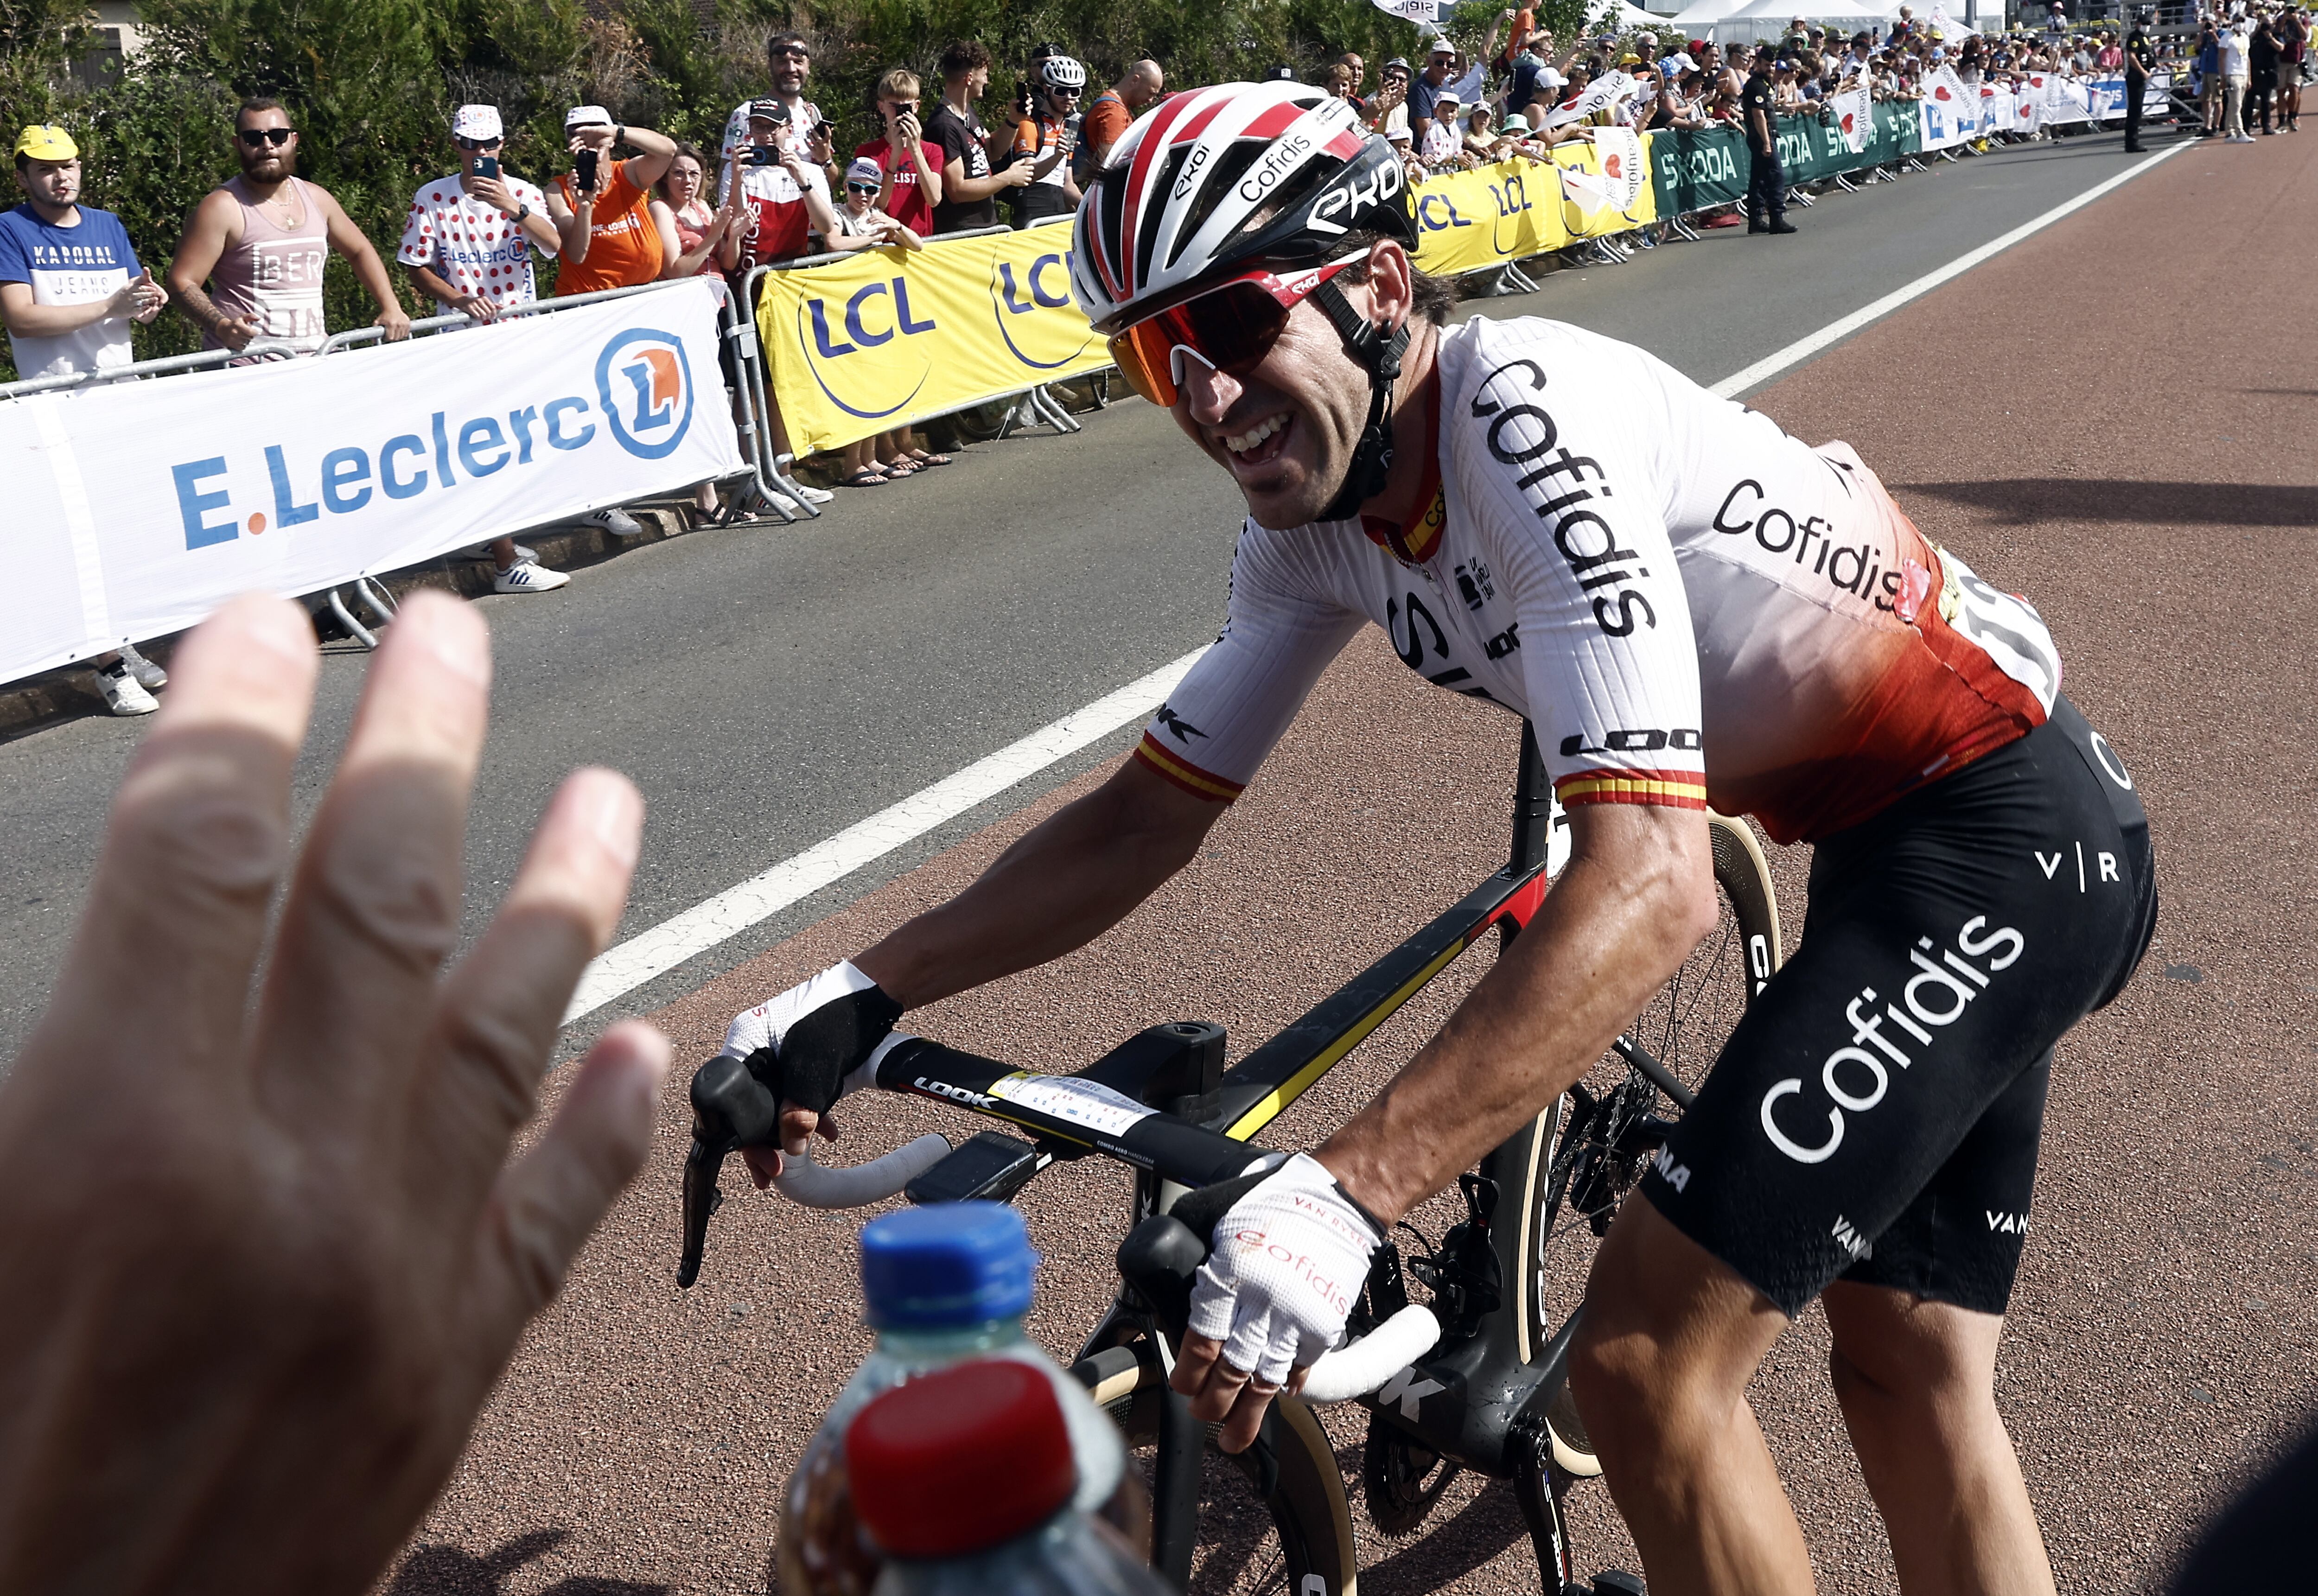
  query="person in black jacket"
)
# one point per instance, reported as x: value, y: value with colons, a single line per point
x: 1766, y: 179
x: 2139, y: 61
x: 2262, y: 55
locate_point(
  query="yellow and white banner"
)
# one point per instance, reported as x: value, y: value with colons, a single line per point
x: 889, y: 337
x: 1466, y: 221
x: 136, y: 509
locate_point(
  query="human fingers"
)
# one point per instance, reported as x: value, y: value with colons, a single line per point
x: 373, y: 908
x: 797, y: 1125
x: 500, y: 1010
x: 548, y: 1204
x: 1194, y: 1360
x: 199, y: 833
x: 1246, y: 1419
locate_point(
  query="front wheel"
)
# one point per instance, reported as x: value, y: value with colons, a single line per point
x: 1296, y: 1539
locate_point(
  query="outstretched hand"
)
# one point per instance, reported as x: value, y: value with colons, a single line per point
x: 263, y: 1261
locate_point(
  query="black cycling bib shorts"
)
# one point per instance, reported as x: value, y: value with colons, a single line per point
x: 1876, y: 1115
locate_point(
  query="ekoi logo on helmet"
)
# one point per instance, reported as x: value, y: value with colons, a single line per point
x: 645, y: 386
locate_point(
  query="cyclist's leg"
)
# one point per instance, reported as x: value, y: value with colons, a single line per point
x: 1916, y: 1327
x: 1671, y: 1336
x: 1943, y: 954
x: 1915, y: 1379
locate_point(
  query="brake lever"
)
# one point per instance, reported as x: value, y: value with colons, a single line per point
x: 732, y: 1109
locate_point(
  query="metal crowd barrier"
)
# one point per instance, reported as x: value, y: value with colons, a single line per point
x: 139, y: 369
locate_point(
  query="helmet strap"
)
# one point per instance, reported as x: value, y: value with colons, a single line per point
x: 1378, y: 349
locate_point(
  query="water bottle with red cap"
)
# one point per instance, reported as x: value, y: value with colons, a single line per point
x: 944, y: 1284
x: 965, y: 1479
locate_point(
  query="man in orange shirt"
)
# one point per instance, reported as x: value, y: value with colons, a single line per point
x: 610, y: 240
x: 1108, y: 118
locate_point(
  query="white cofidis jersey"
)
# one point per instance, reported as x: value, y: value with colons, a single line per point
x: 1691, y: 607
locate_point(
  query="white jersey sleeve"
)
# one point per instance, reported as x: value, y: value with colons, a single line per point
x: 1283, y: 626
x: 1561, y: 486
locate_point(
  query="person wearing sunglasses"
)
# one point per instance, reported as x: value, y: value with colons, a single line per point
x: 1046, y: 140
x: 1688, y: 606
x: 788, y: 59
x: 883, y: 457
x: 260, y: 242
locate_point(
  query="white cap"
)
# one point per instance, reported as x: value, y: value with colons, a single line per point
x: 479, y: 122
x: 1400, y: 135
x: 1550, y: 79
x: 1680, y: 61
x: 1446, y: 97
x: 585, y: 116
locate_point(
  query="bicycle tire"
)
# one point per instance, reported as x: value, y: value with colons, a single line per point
x: 1721, y: 977
x: 1317, y: 1551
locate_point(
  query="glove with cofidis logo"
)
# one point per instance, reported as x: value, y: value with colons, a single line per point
x: 1288, y: 1262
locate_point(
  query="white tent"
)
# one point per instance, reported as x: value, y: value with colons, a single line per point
x: 1765, y: 18
x: 1705, y: 14
x: 1619, y: 17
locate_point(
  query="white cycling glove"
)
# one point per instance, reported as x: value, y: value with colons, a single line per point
x: 1288, y: 1261
x: 817, y: 1041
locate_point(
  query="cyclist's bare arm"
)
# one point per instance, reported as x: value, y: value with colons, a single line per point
x: 1078, y: 873
x: 1637, y: 896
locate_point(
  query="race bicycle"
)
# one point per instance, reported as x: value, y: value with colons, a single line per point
x: 1459, y: 1347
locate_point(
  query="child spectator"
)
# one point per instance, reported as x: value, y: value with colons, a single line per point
x: 862, y: 225
x: 912, y: 171
x: 969, y: 186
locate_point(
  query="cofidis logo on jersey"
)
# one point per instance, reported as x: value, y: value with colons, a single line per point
x: 642, y: 406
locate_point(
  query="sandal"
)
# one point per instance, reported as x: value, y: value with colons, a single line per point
x: 896, y: 469
x: 926, y: 461
x: 866, y: 478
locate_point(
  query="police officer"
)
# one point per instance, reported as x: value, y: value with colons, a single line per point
x: 2140, y: 60
x: 1766, y: 179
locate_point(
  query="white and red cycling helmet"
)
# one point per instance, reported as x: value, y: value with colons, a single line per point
x: 1220, y: 176
x: 1220, y: 211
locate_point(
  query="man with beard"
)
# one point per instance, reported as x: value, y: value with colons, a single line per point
x: 806, y: 130
x: 261, y: 242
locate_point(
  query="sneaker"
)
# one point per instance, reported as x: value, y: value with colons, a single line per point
x: 524, y: 577
x: 149, y: 675
x: 813, y: 496
x: 124, y: 694
x: 616, y: 522
x: 523, y: 552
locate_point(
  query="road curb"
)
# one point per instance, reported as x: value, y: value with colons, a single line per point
x: 70, y: 691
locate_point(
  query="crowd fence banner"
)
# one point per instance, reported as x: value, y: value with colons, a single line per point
x: 1699, y: 168
x: 886, y: 337
x: 1508, y: 210
x: 141, y: 506
x: 1949, y: 114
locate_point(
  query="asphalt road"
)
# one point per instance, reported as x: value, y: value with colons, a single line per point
x: 769, y: 687
x: 2141, y: 470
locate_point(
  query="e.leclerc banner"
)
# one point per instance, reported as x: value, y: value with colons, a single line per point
x: 889, y: 337
x: 139, y: 508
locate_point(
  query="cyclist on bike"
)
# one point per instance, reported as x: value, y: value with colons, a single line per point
x: 1692, y: 607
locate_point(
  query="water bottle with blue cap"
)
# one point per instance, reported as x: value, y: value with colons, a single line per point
x: 943, y: 1284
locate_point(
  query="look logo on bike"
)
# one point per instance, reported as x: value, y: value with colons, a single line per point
x: 1694, y: 609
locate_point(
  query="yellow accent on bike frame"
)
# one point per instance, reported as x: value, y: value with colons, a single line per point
x: 1274, y: 1103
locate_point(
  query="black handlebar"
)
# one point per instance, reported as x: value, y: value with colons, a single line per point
x: 733, y: 1108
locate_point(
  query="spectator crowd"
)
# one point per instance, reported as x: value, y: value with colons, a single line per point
x: 632, y: 206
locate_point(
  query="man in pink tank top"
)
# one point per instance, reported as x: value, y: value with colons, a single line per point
x: 261, y: 243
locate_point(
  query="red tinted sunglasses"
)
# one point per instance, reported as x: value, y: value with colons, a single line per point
x: 1230, y: 327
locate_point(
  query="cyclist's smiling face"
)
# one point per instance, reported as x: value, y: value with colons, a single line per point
x: 1295, y: 418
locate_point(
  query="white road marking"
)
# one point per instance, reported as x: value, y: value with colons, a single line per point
x: 1802, y: 349
x: 628, y: 966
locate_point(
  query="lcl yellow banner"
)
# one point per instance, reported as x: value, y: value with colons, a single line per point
x: 891, y: 337
x: 1466, y: 221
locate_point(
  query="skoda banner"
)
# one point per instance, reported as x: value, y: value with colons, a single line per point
x: 138, y: 508
x: 888, y: 337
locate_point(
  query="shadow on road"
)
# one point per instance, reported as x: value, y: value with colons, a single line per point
x: 2027, y: 500
x: 452, y: 1571
x: 1451, y: 1548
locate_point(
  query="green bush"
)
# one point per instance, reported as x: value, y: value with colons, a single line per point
x: 370, y: 83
